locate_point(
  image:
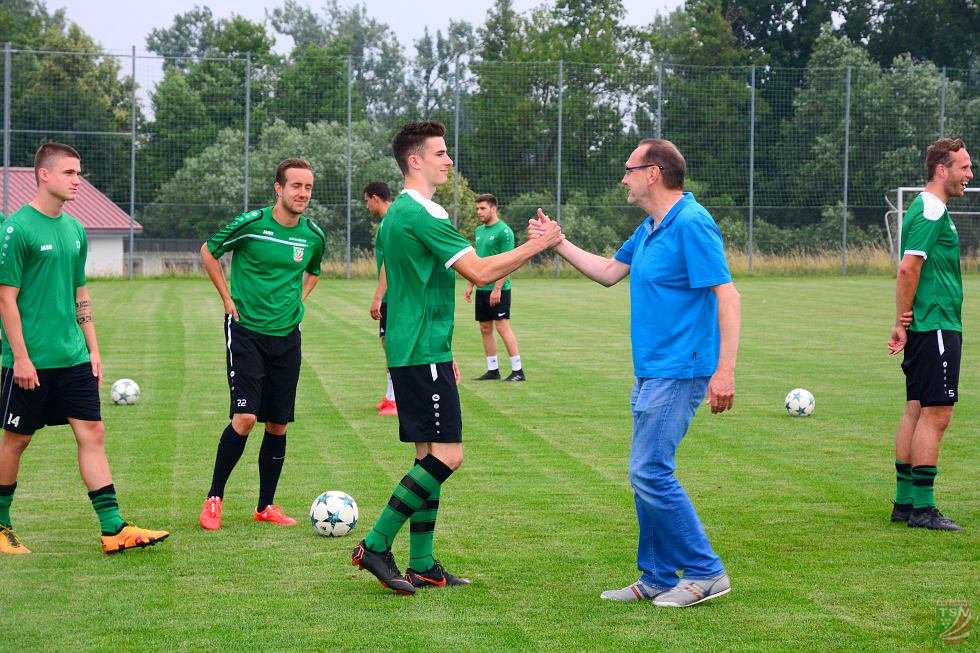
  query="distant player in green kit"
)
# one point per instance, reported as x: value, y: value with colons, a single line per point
x: 421, y: 250
x: 493, y: 236
x: 52, y: 368
x: 274, y: 267
x: 929, y: 285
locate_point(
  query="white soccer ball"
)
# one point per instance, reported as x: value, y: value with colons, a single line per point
x: 125, y: 392
x: 333, y: 514
x: 800, y: 402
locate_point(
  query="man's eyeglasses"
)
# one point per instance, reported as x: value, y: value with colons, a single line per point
x: 644, y: 165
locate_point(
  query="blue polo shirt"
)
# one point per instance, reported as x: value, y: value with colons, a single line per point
x: 673, y: 312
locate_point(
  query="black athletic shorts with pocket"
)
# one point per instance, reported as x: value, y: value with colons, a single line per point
x: 64, y: 392
x: 932, y: 367
x: 263, y: 372
x: 428, y: 403
x: 487, y: 313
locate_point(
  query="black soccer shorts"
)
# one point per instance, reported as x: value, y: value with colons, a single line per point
x: 932, y: 367
x: 428, y: 403
x: 64, y: 392
x: 263, y: 372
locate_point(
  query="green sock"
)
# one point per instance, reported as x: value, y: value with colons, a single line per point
x: 6, y: 498
x: 410, y: 494
x: 422, y: 533
x: 903, y: 482
x: 923, y: 479
x: 107, y: 508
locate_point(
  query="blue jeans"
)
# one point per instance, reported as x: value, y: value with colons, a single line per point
x: 672, y: 538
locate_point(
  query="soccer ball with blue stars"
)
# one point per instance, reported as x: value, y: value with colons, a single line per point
x: 333, y: 514
x: 125, y: 392
x: 800, y: 402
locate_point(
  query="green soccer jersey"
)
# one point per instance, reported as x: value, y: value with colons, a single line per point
x: 45, y: 258
x: 379, y: 255
x: 929, y: 232
x: 267, y: 267
x: 420, y: 245
x: 494, y: 239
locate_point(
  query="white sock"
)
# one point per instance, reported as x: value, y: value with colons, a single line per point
x: 492, y: 363
x: 390, y: 392
x: 515, y: 363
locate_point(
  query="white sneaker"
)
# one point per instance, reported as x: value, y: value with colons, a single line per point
x: 638, y: 591
x: 693, y: 591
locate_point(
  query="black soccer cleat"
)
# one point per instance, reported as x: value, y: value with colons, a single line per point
x: 932, y: 519
x: 435, y: 577
x: 901, y: 512
x: 383, y: 566
x: 516, y: 375
x: 489, y: 375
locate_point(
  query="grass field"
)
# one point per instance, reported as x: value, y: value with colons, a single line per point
x: 540, y: 516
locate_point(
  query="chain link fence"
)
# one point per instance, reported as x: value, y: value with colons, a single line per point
x: 787, y: 160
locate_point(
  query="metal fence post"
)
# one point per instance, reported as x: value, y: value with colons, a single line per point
x: 942, y: 103
x: 660, y: 99
x: 350, y: 153
x: 132, y: 167
x: 751, y: 166
x: 248, y: 115
x: 6, y: 129
x: 456, y: 149
x: 847, y: 149
x: 561, y: 92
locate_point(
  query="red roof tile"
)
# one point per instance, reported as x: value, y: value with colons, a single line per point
x: 96, y: 212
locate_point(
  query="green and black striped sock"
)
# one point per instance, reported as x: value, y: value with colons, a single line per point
x: 903, y: 482
x: 410, y: 494
x: 923, y: 479
x: 107, y: 508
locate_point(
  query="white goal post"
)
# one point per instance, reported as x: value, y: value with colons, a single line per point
x: 896, y: 212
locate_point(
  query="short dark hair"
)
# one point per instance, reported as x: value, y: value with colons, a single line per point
x: 411, y: 138
x: 489, y: 198
x: 941, y: 153
x: 666, y: 155
x: 378, y: 189
x: 289, y: 164
x: 48, y: 153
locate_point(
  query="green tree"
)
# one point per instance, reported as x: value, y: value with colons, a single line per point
x: 944, y: 32
x: 207, y: 191
x: 191, y: 36
x: 379, y: 66
x: 67, y: 94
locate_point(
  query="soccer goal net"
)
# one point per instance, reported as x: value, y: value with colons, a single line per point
x: 965, y: 212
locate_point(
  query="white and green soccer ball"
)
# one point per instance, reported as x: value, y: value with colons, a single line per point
x: 800, y: 402
x: 333, y: 514
x: 125, y: 392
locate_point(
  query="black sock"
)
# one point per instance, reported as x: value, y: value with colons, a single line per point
x: 230, y: 448
x: 271, y: 457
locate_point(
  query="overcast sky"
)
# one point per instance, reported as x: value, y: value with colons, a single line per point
x: 118, y: 25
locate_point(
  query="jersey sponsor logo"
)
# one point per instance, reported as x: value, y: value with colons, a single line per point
x: 298, y: 253
x: 47, y: 248
x: 268, y: 232
x: 294, y: 239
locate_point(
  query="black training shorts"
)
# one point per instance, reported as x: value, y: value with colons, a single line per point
x: 64, y: 392
x: 428, y: 403
x: 263, y: 371
x: 384, y: 320
x: 487, y: 313
x: 932, y: 367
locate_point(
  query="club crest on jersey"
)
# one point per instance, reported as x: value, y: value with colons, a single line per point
x: 298, y: 253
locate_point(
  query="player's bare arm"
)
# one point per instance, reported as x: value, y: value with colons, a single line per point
x: 906, y: 284
x: 484, y: 271
x: 217, y: 276
x: 83, y: 314
x: 721, y: 387
x: 25, y: 376
x: 379, y: 292
x: 309, y: 283
x: 607, y: 271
